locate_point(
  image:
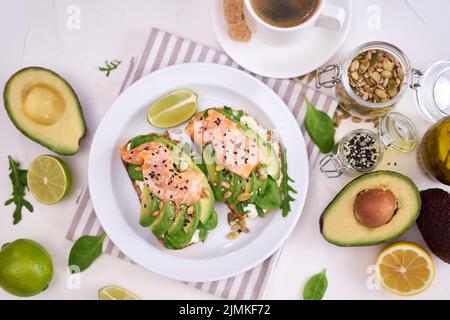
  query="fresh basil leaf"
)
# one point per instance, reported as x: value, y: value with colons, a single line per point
x: 316, y: 286
x: 271, y: 198
x: 85, y: 251
x: 286, y: 188
x: 319, y: 127
x: 18, y: 179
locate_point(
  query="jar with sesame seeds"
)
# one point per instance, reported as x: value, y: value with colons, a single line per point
x: 361, y: 151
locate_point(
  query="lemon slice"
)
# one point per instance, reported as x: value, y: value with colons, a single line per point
x: 173, y: 109
x: 405, y: 268
x: 48, y: 179
x: 116, y: 293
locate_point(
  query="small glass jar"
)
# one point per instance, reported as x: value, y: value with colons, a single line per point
x: 361, y: 151
x: 434, y: 152
x: 432, y: 86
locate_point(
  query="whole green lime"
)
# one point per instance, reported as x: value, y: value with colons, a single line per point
x: 26, y: 268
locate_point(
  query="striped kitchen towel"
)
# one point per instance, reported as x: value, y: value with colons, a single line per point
x: 164, y: 49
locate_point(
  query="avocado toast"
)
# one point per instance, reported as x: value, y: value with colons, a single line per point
x: 245, y: 166
x: 177, y: 202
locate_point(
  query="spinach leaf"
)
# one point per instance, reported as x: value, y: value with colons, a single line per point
x: 212, y: 221
x: 85, y: 251
x: 138, y: 140
x: 316, y: 286
x: 135, y: 174
x: 319, y: 127
x: 271, y: 198
x: 18, y: 179
x: 286, y: 188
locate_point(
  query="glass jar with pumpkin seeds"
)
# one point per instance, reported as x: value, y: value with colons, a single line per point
x: 371, y: 79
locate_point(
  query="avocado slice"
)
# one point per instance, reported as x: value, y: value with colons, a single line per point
x: 178, y: 223
x: 145, y: 218
x: 340, y: 226
x: 45, y: 108
x: 164, y: 220
x: 184, y: 236
x: 149, y: 204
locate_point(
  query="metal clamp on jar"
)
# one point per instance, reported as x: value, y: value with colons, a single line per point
x: 375, y: 76
x: 361, y: 151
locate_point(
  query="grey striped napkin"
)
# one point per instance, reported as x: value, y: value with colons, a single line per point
x: 163, y: 49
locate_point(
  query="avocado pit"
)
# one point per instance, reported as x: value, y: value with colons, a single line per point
x: 374, y: 208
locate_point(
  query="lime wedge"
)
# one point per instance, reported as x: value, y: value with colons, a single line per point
x: 116, y: 293
x: 48, y: 179
x: 173, y: 109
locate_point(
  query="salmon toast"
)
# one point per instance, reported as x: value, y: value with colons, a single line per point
x: 242, y: 161
x: 177, y: 202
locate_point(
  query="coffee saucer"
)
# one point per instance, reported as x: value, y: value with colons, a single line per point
x: 282, y: 61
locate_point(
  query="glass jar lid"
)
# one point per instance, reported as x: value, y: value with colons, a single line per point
x: 433, y: 90
x: 398, y: 132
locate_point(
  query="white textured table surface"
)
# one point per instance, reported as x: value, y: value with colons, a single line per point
x: 36, y: 33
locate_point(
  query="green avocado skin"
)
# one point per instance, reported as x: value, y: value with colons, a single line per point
x: 390, y: 237
x: 59, y: 150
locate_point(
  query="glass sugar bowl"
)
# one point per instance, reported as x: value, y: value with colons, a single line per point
x: 375, y: 76
x: 361, y: 150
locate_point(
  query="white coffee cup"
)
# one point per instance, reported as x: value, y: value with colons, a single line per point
x: 327, y: 16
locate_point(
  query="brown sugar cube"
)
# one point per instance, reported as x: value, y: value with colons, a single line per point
x: 239, y: 31
x: 233, y: 10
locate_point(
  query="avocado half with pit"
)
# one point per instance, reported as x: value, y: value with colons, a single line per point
x: 45, y: 108
x: 372, y: 209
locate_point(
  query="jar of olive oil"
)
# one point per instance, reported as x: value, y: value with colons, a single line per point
x: 434, y: 152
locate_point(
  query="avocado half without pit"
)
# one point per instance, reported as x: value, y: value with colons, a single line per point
x: 372, y: 209
x: 45, y: 108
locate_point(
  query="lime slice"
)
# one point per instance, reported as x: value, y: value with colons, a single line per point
x: 116, y: 293
x: 48, y: 179
x: 173, y: 109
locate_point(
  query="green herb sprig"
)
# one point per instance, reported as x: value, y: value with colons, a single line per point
x: 316, y: 286
x: 320, y: 127
x: 85, y: 251
x: 110, y: 66
x: 18, y: 179
x: 286, y: 188
x: 230, y: 114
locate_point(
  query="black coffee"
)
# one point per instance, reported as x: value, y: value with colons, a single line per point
x: 285, y: 13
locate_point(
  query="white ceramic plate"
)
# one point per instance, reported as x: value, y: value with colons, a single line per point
x: 287, y: 61
x: 117, y: 205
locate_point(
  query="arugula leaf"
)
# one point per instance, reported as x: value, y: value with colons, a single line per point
x: 85, y: 251
x: 286, y: 188
x: 319, y: 127
x: 271, y: 198
x: 230, y: 114
x: 316, y: 286
x: 19, y: 182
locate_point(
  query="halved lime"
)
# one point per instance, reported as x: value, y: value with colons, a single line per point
x: 116, y: 293
x: 48, y: 179
x: 173, y: 109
